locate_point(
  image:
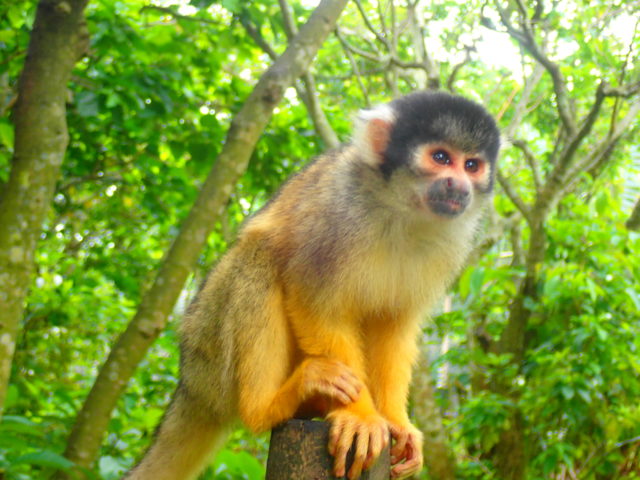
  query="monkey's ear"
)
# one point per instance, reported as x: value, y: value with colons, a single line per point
x: 372, y: 131
x: 378, y: 131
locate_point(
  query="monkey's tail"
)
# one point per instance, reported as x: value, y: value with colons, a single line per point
x: 185, y: 441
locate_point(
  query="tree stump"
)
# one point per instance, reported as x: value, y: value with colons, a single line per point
x: 298, y: 451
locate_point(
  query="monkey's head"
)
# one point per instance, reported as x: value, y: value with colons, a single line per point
x: 437, y: 152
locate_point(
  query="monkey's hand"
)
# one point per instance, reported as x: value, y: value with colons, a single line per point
x: 406, y: 451
x: 368, y: 433
x: 330, y: 378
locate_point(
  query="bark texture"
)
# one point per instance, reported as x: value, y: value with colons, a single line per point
x: 568, y: 161
x: 438, y: 457
x: 298, y: 450
x: 57, y: 40
x: 634, y: 220
x: 157, y: 303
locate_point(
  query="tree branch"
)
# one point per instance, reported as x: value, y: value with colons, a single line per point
x: 290, y: 27
x: 624, y: 91
x: 369, y: 25
x: 310, y: 95
x: 532, y: 161
x: 57, y: 41
x: 257, y: 37
x: 353, y: 49
x: 603, y: 150
x: 385, y: 32
x: 560, y: 176
x: 514, y: 197
x: 305, y: 91
x: 521, y: 106
x: 418, y: 36
x: 174, y: 14
x: 354, y: 66
x: 634, y: 220
x: 526, y: 38
x: 458, y: 66
x: 158, y: 301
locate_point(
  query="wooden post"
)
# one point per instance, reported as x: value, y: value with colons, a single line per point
x: 298, y: 451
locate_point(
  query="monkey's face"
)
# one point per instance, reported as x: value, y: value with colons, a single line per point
x: 449, y: 180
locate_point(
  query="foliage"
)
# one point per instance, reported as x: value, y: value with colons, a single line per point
x: 149, y: 107
x: 580, y: 375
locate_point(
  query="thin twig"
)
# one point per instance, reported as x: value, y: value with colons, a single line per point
x: 532, y: 161
x: 369, y: 25
x: 174, y: 14
x: 514, y: 197
x: 527, y: 39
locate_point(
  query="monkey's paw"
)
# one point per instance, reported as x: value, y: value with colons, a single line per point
x: 369, y: 435
x: 322, y: 376
x: 406, y: 451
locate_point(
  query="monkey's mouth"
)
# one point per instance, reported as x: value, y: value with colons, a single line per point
x: 447, y: 206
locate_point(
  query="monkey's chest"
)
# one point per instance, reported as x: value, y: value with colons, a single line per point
x: 388, y: 281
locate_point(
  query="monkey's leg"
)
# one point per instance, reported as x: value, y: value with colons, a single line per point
x: 391, y: 350
x: 184, y: 442
x: 271, y: 388
x: 340, y: 340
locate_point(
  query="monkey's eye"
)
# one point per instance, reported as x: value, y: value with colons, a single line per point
x: 441, y: 157
x: 472, y: 165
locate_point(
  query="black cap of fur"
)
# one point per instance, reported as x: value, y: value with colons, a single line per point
x: 425, y: 117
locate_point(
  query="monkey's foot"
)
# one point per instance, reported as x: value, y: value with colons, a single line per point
x: 329, y: 378
x: 406, y: 451
x: 368, y: 434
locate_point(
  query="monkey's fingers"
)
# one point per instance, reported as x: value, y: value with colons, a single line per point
x: 340, y: 440
x: 400, y: 437
x: 361, y: 452
x: 378, y: 440
x: 367, y: 434
x: 412, y: 464
x: 406, y: 453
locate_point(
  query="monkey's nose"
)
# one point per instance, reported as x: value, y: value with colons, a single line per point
x: 457, y: 187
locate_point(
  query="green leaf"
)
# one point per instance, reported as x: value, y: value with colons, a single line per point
x: 602, y: 203
x: 239, y: 463
x: 234, y: 6
x: 113, y: 99
x: 12, y: 397
x: 6, y: 135
x: 45, y: 458
x: 584, y: 394
x: 634, y: 296
x: 15, y: 14
x: 86, y: 104
x: 567, y: 392
x: 477, y: 280
x: 111, y: 467
x: 17, y: 423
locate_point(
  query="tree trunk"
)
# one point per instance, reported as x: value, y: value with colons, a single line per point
x: 40, y: 143
x: 509, y: 455
x: 438, y: 457
x: 150, y: 319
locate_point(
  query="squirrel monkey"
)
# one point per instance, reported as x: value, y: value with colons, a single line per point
x: 315, y: 310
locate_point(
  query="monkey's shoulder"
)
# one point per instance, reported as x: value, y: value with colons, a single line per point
x: 304, y: 196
